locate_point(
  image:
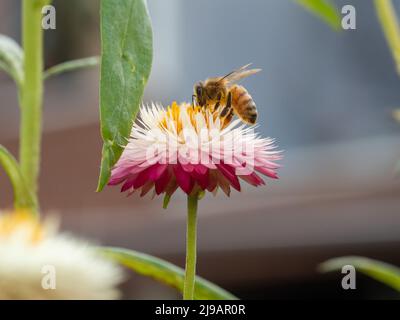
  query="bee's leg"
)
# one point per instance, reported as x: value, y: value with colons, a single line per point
x: 227, y: 112
x: 218, y: 102
x: 229, y: 116
x: 227, y: 107
x: 216, y: 106
x: 193, y: 98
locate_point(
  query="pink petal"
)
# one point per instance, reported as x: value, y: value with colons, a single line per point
x: 212, y: 181
x: 140, y: 167
x: 142, y: 178
x: 228, y: 172
x: 201, y: 179
x: 210, y: 165
x: 162, y: 182
x: 172, y: 186
x: 253, y: 179
x: 116, y: 181
x: 146, y: 188
x: 260, y: 161
x: 199, y: 168
x: 267, y: 172
x: 223, y: 183
x: 156, y: 171
x: 119, y: 174
x: 188, y: 167
x: 129, y: 183
x: 183, y: 178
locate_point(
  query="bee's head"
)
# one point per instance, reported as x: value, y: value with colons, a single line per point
x: 199, y: 93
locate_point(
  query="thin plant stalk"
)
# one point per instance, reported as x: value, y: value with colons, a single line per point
x: 32, y: 92
x: 191, y: 248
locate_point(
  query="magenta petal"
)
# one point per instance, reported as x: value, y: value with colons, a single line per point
x: 119, y: 172
x: 128, y: 183
x: 172, y: 186
x: 253, y: 179
x: 162, y: 182
x: 188, y: 167
x: 210, y: 165
x: 228, y: 173
x: 212, y: 180
x: 268, y: 172
x: 261, y: 162
x: 183, y: 179
x: 156, y: 171
x: 116, y: 181
x: 202, y: 179
x: 146, y: 188
x: 199, y: 168
x: 257, y: 178
x: 118, y: 175
x: 142, y: 178
x: 223, y: 183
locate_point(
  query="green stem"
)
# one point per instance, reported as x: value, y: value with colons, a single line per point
x: 390, y: 27
x: 32, y: 93
x: 23, y: 197
x: 190, y: 269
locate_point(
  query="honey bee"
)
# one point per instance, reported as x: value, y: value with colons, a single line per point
x: 222, y: 94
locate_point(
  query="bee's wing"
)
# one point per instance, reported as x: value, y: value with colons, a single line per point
x: 239, y: 74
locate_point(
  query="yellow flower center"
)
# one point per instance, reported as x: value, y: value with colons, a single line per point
x: 173, y: 114
x: 21, y: 221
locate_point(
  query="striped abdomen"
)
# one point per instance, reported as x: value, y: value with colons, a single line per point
x: 243, y: 104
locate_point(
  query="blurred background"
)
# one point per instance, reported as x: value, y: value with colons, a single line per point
x: 327, y: 97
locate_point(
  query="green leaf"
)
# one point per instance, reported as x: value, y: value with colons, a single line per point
x: 126, y: 57
x: 325, y: 10
x: 387, y: 17
x: 166, y: 201
x: 201, y: 194
x: 71, y: 66
x: 378, y: 270
x: 23, y: 197
x: 11, y: 59
x: 165, y: 272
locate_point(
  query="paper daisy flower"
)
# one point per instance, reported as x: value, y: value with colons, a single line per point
x: 193, y: 149
x: 37, y: 262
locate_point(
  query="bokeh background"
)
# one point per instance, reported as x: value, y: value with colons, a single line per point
x: 327, y: 97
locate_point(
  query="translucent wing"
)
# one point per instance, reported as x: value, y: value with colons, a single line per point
x: 239, y: 74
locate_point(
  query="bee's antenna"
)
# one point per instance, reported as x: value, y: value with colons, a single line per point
x: 226, y: 76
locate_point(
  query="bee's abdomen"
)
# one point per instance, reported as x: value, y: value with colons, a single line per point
x: 243, y: 104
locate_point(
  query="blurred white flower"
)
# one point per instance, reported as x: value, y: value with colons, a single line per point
x: 37, y: 262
